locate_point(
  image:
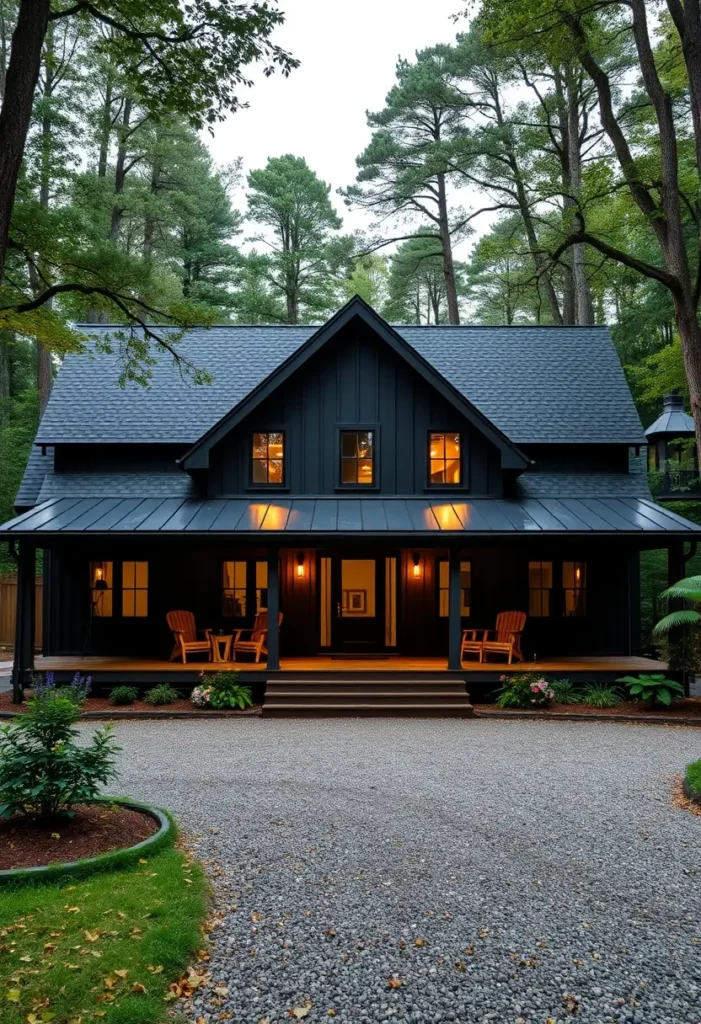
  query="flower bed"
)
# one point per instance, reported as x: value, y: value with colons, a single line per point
x: 686, y: 710
x: 103, y: 706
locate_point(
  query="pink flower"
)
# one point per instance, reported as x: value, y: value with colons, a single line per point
x: 535, y: 687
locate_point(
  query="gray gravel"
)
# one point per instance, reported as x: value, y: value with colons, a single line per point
x: 501, y: 871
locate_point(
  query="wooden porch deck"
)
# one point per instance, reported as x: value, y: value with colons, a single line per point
x: 370, y: 667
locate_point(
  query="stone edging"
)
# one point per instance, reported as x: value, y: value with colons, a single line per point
x: 561, y: 716
x: 111, y: 860
x: 137, y: 716
x: 692, y: 794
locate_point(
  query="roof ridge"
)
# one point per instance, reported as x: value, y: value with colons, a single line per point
x: 397, y: 326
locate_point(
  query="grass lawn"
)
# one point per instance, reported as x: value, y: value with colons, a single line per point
x: 102, y: 949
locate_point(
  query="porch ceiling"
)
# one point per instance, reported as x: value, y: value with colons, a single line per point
x: 349, y: 516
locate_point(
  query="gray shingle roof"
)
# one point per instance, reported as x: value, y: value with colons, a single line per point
x: 38, y: 465
x: 537, y: 385
x: 634, y: 484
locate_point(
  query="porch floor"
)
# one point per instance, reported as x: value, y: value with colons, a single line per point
x: 369, y: 666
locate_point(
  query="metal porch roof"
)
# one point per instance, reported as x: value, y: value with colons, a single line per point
x: 347, y: 516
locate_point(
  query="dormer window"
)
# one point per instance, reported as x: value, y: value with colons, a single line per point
x: 358, y: 458
x: 444, y: 467
x: 268, y: 458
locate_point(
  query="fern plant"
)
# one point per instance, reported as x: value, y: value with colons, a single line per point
x: 689, y: 589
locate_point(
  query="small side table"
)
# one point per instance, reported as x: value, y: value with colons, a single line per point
x: 221, y: 646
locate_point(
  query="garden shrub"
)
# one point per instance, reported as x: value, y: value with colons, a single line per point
x: 599, y: 695
x: 124, y: 695
x: 565, y: 692
x: 693, y: 777
x: 222, y: 690
x: 653, y: 688
x: 524, y: 691
x: 77, y: 690
x: 42, y: 770
x: 162, y: 694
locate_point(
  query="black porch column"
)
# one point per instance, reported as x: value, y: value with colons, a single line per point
x: 273, y: 609
x: 454, y: 602
x: 23, y: 665
x: 676, y: 566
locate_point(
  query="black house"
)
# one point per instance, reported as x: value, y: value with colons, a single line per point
x: 384, y: 488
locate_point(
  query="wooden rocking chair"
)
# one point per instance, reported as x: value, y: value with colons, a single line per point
x: 182, y: 626
x: 506, y: 638
x: 256, y: 643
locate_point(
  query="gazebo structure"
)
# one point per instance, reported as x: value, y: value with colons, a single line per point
x: 671, y: 453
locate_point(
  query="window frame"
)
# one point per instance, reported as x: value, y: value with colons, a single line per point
x: 463, y: 590
x: 582, y: 590
x: 252, y: 484
x: 462, y: 484
x: 135, y: 589
x: 355, y: 428
x: 552, y: 612
x: 109, y: 578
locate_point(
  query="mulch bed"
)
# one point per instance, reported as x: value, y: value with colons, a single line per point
x: 96, y: 828
x: 688, y: 709
x: 102, y: 704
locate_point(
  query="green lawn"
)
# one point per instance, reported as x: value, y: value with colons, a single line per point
x: 102, y: 949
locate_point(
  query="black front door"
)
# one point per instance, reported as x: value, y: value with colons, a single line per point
x: 358, y: 605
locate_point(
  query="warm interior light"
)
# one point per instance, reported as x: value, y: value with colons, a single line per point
x: 577, y: 574
x: 98, y: 572
x: 417, y: 567
x: 300, y: 566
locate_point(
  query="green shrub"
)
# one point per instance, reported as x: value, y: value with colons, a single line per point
x: 124, y: 695
x: 693, y: 777
x: 653, y: 688
x: 42, y: 770
x: 565, y: 692
x: 222, y: 690
x: 524, y: 691
x: 599, y: 695
x: 162, y: 694
x: 77, y: 690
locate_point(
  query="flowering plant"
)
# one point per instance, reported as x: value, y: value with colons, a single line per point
x: 201, y: 696
x: 77, y: 690
x: 524, y: 691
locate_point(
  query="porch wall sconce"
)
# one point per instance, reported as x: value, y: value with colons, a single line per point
x: 300, y: 566
x: 417, y: 566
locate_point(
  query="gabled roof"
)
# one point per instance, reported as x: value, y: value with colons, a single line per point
x: 355, y: 309
x: 538, y: 385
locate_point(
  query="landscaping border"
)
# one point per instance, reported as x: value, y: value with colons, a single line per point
x: 692, y: 794
x: 110, y: 861
x: 137, y: 716
x: 601, y: 716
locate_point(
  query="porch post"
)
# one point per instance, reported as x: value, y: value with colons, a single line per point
x: 23, y: 664
x: 454, y: 602
x: 273, y: 609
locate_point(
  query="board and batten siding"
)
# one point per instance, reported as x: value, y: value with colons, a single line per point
x: 356, y: 382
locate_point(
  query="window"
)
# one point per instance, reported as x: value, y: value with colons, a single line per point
x: 357, y: 457
x: 101, y: 589
x: 574, y: 585
x: 444, y: 458
x: 540, y: 588
x: 261, y: 586
x: 233, y: 590
x: 134, y: 590
x: 268, y: 456
x: 444, y: 589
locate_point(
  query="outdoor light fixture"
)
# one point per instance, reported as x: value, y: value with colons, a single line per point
x: 300, y: 565
x: 417, y: 565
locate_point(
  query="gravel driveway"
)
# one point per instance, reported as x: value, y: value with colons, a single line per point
x: 499, y: 871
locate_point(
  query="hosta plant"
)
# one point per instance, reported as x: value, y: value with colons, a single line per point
x: 42, y: 770
x: 524, y: 691
x: 653, y: 688
x: 225, y: 691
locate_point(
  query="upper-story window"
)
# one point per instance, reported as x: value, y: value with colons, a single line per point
x: 358, y: 457
x: 268, y: 458
x: 444, y: 458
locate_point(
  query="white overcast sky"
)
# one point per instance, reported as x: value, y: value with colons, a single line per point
x: 348, y: 53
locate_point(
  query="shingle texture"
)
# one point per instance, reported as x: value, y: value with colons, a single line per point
x: 538, y: 385
x: 633, y: 484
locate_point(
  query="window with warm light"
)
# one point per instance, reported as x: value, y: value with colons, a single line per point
x: 444, y: 589
x: 134, y: 590
x: 540, y: 589
x: 358, y: 457
x: 101, y: 589
x: 268, y: 455
x: 233, y: 604
x: 574, y: 586
x: 261, y: 586
x: 444, y: 459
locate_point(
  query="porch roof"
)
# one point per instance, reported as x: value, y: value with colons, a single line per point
x: 69, y: 516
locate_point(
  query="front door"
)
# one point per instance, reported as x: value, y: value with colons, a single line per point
x: 358, y: 605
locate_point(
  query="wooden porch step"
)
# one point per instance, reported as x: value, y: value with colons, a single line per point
x: 333, y: 697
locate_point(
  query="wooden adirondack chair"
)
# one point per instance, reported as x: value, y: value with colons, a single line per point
x: 506, y: 638
x: 256, y: 643
x: 182, y: 625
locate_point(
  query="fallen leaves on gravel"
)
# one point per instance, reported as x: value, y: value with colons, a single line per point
x: 300, y: 1011
x: 394, y: 983
x: 570, y: 1003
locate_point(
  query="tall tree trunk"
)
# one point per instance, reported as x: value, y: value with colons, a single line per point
x: 569, y: 302
x: 451, y: 292
x: 16, y: 111
x: 583, y: 303
x: 105, y: 133
x: 120, y: 172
